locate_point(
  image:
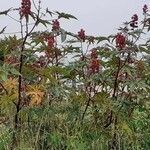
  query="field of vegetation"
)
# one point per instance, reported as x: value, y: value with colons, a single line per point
x: 72, y: 91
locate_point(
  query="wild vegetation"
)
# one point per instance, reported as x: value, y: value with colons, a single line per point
x: 72, y: 91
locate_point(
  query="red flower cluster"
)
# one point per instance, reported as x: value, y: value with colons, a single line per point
x: 93, y: 53
x: 50, y: 42
x: 145, y: 9
x: 134, y: 22
x: 55, y: 25
x: 95, y: 63
x: 25, y: 8
x: 81, y: 35
x: 120, y: 41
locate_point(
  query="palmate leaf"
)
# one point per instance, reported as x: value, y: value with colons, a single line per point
x: 65, y: 15
x: 50, y: 12
x: 11, y: 84
x: 6, y: 100
x: 101, y: 38
x: 47, y: 73
x: 14, y: 71
x: 36, y: 93
x: 5, y: 70
x: 144, y: 49
x: 5, y: 12
x: 43, y: 22
x: 3, y: 76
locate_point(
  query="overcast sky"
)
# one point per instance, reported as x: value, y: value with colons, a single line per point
x: 98, y: 17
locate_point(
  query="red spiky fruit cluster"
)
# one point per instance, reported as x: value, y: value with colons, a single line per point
x: 95, y: 63
x: 25, y: 8
x: 145, y: 9
x: 134, y: 21
x: 50, y: 42
x: 120, y: 40
x: 55, y: 25
x: 81, y: 35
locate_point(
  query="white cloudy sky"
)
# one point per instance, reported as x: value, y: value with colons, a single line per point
x: 98, y: 17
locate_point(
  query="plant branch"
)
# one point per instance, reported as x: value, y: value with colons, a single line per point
x: 116, y: 79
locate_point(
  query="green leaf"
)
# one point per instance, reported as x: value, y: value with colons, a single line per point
x: 4, y: 76
x: 44, y: 22
x: 66, y: 16
x: 102, y: 38
x: 51, y: 13
x: 5, y: 12
x: 14, y: 71
x: 144, y: 49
